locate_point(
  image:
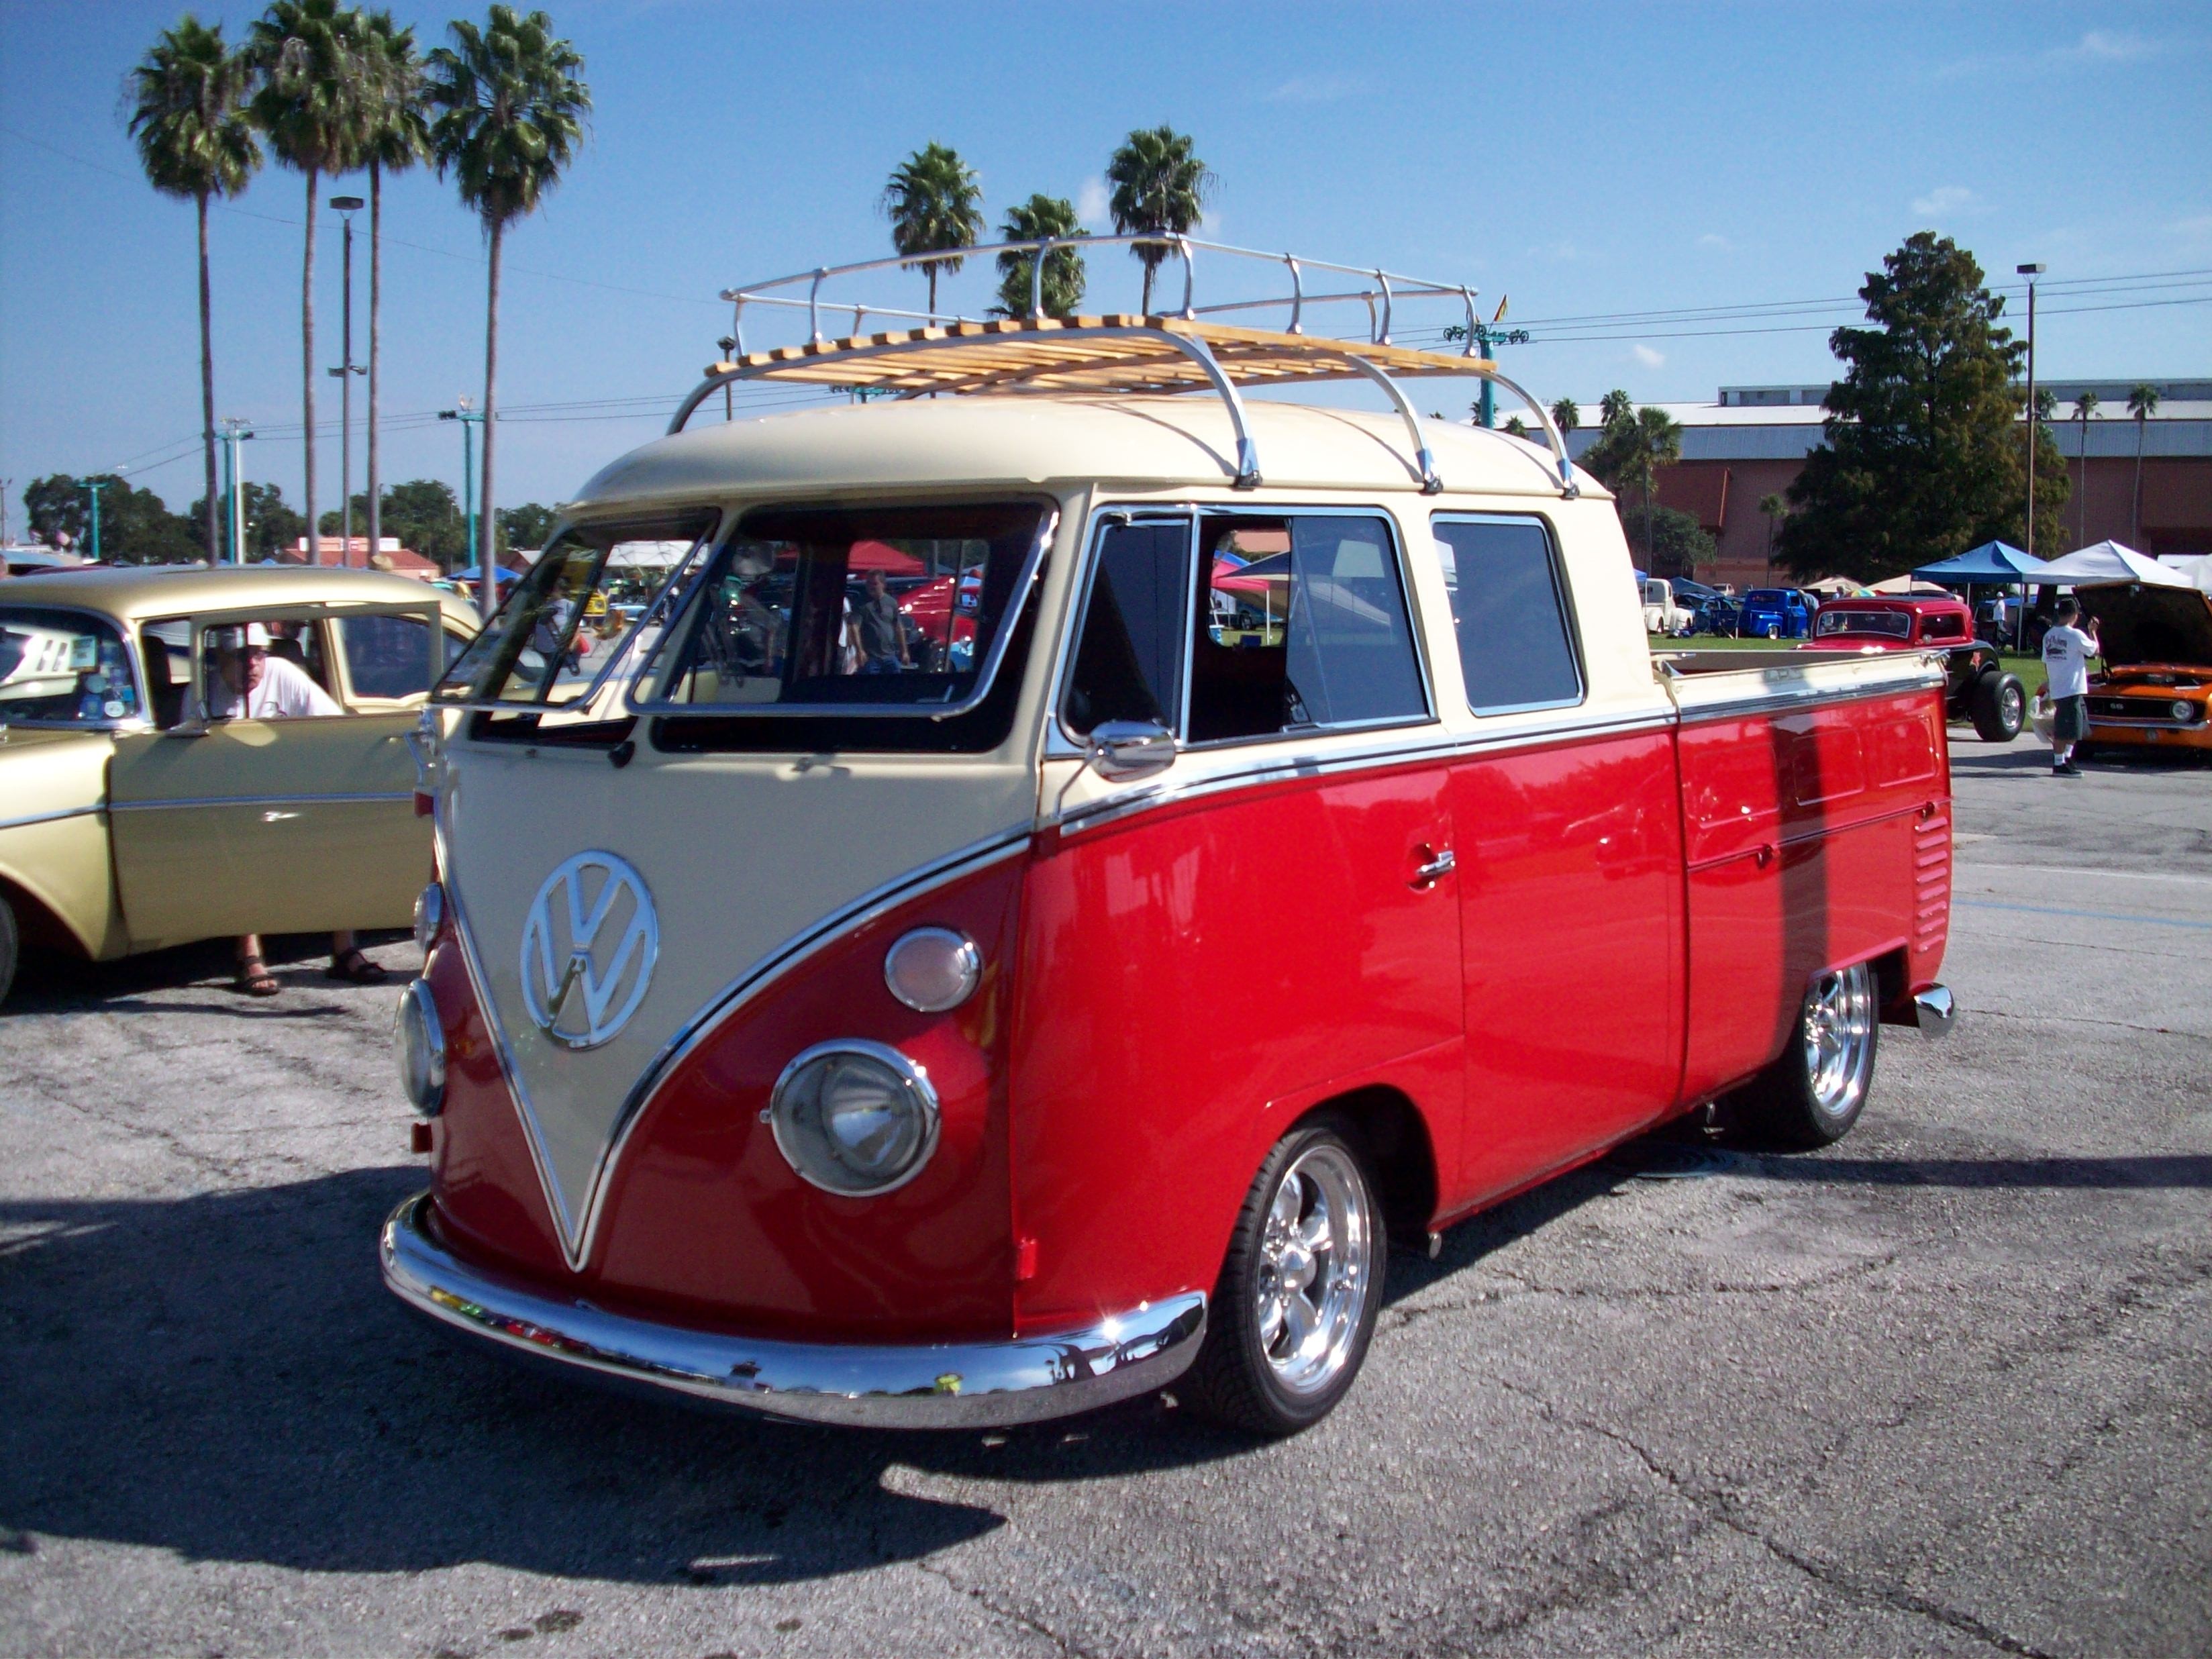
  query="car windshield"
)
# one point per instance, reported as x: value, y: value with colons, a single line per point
x: 63, y: 667
x: 832, y: 610
x: 1764, y: 596
x: 1893, y: 624
x: 549, y: 641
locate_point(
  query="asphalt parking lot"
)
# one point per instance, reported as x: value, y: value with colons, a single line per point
x: 1945, y: 1388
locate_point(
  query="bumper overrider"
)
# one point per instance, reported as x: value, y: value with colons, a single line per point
x: 945, y: 1386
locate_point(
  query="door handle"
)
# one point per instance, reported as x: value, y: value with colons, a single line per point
x: 1436, y: 866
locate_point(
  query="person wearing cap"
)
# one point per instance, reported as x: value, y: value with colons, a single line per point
x: 249, y: 683
x: 2067, y: 650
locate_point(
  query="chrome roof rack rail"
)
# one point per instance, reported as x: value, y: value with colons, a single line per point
x: 1117, y: 353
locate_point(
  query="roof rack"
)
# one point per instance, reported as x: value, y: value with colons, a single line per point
x: 1118, y: 354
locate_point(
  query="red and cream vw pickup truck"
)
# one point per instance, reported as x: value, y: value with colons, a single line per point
x: 968, y: 1013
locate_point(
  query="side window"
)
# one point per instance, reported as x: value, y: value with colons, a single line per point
x: 387, y: 656
x: 1508, y: 610
x: 1314, y: 636
x: 1128, y: 658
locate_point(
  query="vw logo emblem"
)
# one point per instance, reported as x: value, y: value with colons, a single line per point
x: 588, y: 948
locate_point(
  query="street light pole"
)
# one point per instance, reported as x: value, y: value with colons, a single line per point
x: 729, y: 344
x: 235, y: 432
x: 2030, y: 271
x: 487, y: 584
x: 347, y: 205
x: 93, y: 486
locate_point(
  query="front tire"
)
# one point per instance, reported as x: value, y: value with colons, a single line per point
x: 1299, y: 1291
x: 1812, y: 1095
x: 11, y: 947
x: 1998, y: 703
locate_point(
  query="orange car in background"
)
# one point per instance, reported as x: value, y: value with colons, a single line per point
x: 2156, y: 684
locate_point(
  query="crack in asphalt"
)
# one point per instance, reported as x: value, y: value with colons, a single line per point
x: 2076, y: 1019
x: 1011, y: 1615
x: 1719, y: 1508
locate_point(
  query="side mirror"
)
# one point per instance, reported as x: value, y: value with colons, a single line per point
x: 1123, y: 750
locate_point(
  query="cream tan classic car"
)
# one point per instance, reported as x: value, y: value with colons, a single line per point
x: 130, y: 821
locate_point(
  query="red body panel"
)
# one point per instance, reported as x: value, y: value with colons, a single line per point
x: 1803, y: 833
x: 1187, y: 968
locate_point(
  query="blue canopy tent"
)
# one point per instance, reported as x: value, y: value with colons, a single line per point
x: 474, y: 575
x: 1993, y: 564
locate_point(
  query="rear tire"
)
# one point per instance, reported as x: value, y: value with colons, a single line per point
x: 1998, y: 703
x: 1295, y: 1307
x: 11, y: 947
x: 1812, y: 1095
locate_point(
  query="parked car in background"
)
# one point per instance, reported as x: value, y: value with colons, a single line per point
x: 2154, y: 690
x: 128, y: 822
x: 1662, y: 612
x: 1976, y: 688
x: 1775, y: 613
x: 1718, y: 614
x: 985, y: 1043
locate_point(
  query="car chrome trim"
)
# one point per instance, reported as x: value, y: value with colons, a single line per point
x: 340, y: 799
x: 938, y: 1385
x: 1934, y: 1010
x: 1931, y: 677
x: 50, y: 818
x: 909, y: 1072
x: 420, y: 1001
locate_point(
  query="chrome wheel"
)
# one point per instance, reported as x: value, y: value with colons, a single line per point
x: 1838, y: 1036
x: 1313, y: 1276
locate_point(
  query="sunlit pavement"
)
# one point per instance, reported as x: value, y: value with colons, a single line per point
x: 1945, y: 1388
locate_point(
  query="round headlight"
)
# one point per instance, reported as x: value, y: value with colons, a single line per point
x: 931, y: 970
x: 420, y: 1042
x: 429, y: 916
x: 855, y: 1117
x: 2182, y: 711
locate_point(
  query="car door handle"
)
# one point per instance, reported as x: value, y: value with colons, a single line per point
x: 1437, y: 865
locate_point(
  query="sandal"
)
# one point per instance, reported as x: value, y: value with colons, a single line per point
x: 355, y: 968
x: 254, y: 979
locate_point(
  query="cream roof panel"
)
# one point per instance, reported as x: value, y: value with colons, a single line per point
x: 982, y: 439
x: 135, y: 593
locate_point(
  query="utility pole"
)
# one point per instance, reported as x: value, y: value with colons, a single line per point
x: 488, y: 584
x: 235, y: 432
x: 2030, y: 271
x: 1487, y: 335
x: 95, y: 486
x: 729, y: 344
x: 7, y: 485
x: 347, y: 205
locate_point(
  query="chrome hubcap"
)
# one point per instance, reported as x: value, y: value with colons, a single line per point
x: 1314, y: 1276
x: 1838, y: 1035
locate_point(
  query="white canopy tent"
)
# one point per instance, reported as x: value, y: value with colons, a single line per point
x: 2195, y: 568
x: 2109, y: 561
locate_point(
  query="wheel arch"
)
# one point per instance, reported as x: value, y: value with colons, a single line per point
x: 38, y: 922
x: 1400, y: 1150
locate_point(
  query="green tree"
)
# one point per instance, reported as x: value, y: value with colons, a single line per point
x: 512, y: 104
x: 1061, y: 291
x: 1566, y: 416
x: 272, y: 528
x: 1674, y: 544
x: 135, y: 526
x: 2084, y: 409
x: 2142, y: 403
x: 188, y: 115
x: 529, y: 526
x: 1775, y: 508
x: 1921, y: 455
x: 1515, y: 426
x: 397, y: 136
x: 1160, y: 189
x: 308, y: 56
x: 934, y: 204
x: 1615, y: 405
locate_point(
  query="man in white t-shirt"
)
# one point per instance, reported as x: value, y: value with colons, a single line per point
x: 249, y: 683
x: 2067, y: 650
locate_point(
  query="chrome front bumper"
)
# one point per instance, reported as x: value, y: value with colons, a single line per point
x: 951, y: 1386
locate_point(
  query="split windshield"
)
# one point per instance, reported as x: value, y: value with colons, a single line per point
x: 566, y: 617
x: 835, y: 611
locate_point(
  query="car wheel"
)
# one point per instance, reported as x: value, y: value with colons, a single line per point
x: 11, y: 947
x: 1812, y: 1095
x: 1295, y: 1307
x: 1998, y: 703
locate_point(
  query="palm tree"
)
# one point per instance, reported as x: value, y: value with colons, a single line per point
x: 1776, y: 507
x: 1160, y: 189
x: 1566, y: 416
x: 306, y: 55
x: 2084, y: 407
x: 399, y: 136
x: 1613, y: 407
x: 188, y: 114
x: 934, y: 203
x: 2142, y: 403
x: 1061, y: 291
x: 511, y: 110
x: 1657, y: 441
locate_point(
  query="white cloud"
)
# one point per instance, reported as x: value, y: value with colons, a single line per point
x: 1565, y: 252
x: 1947, y: 199
x: 2195, y: 228
x: 1316, y: 89
x: 1719, y: 243
x: 2102, y: 46
x: 1090, y: 206
x: 1648, y: 357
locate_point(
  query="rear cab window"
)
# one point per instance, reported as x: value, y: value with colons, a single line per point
x: 1510, y: 613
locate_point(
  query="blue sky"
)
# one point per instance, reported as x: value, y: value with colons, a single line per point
x: 1591, y: 161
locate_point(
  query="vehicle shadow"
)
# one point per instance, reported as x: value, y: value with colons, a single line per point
x: 50, y: 982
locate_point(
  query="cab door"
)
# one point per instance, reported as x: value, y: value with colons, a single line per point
x: 236, y: 826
